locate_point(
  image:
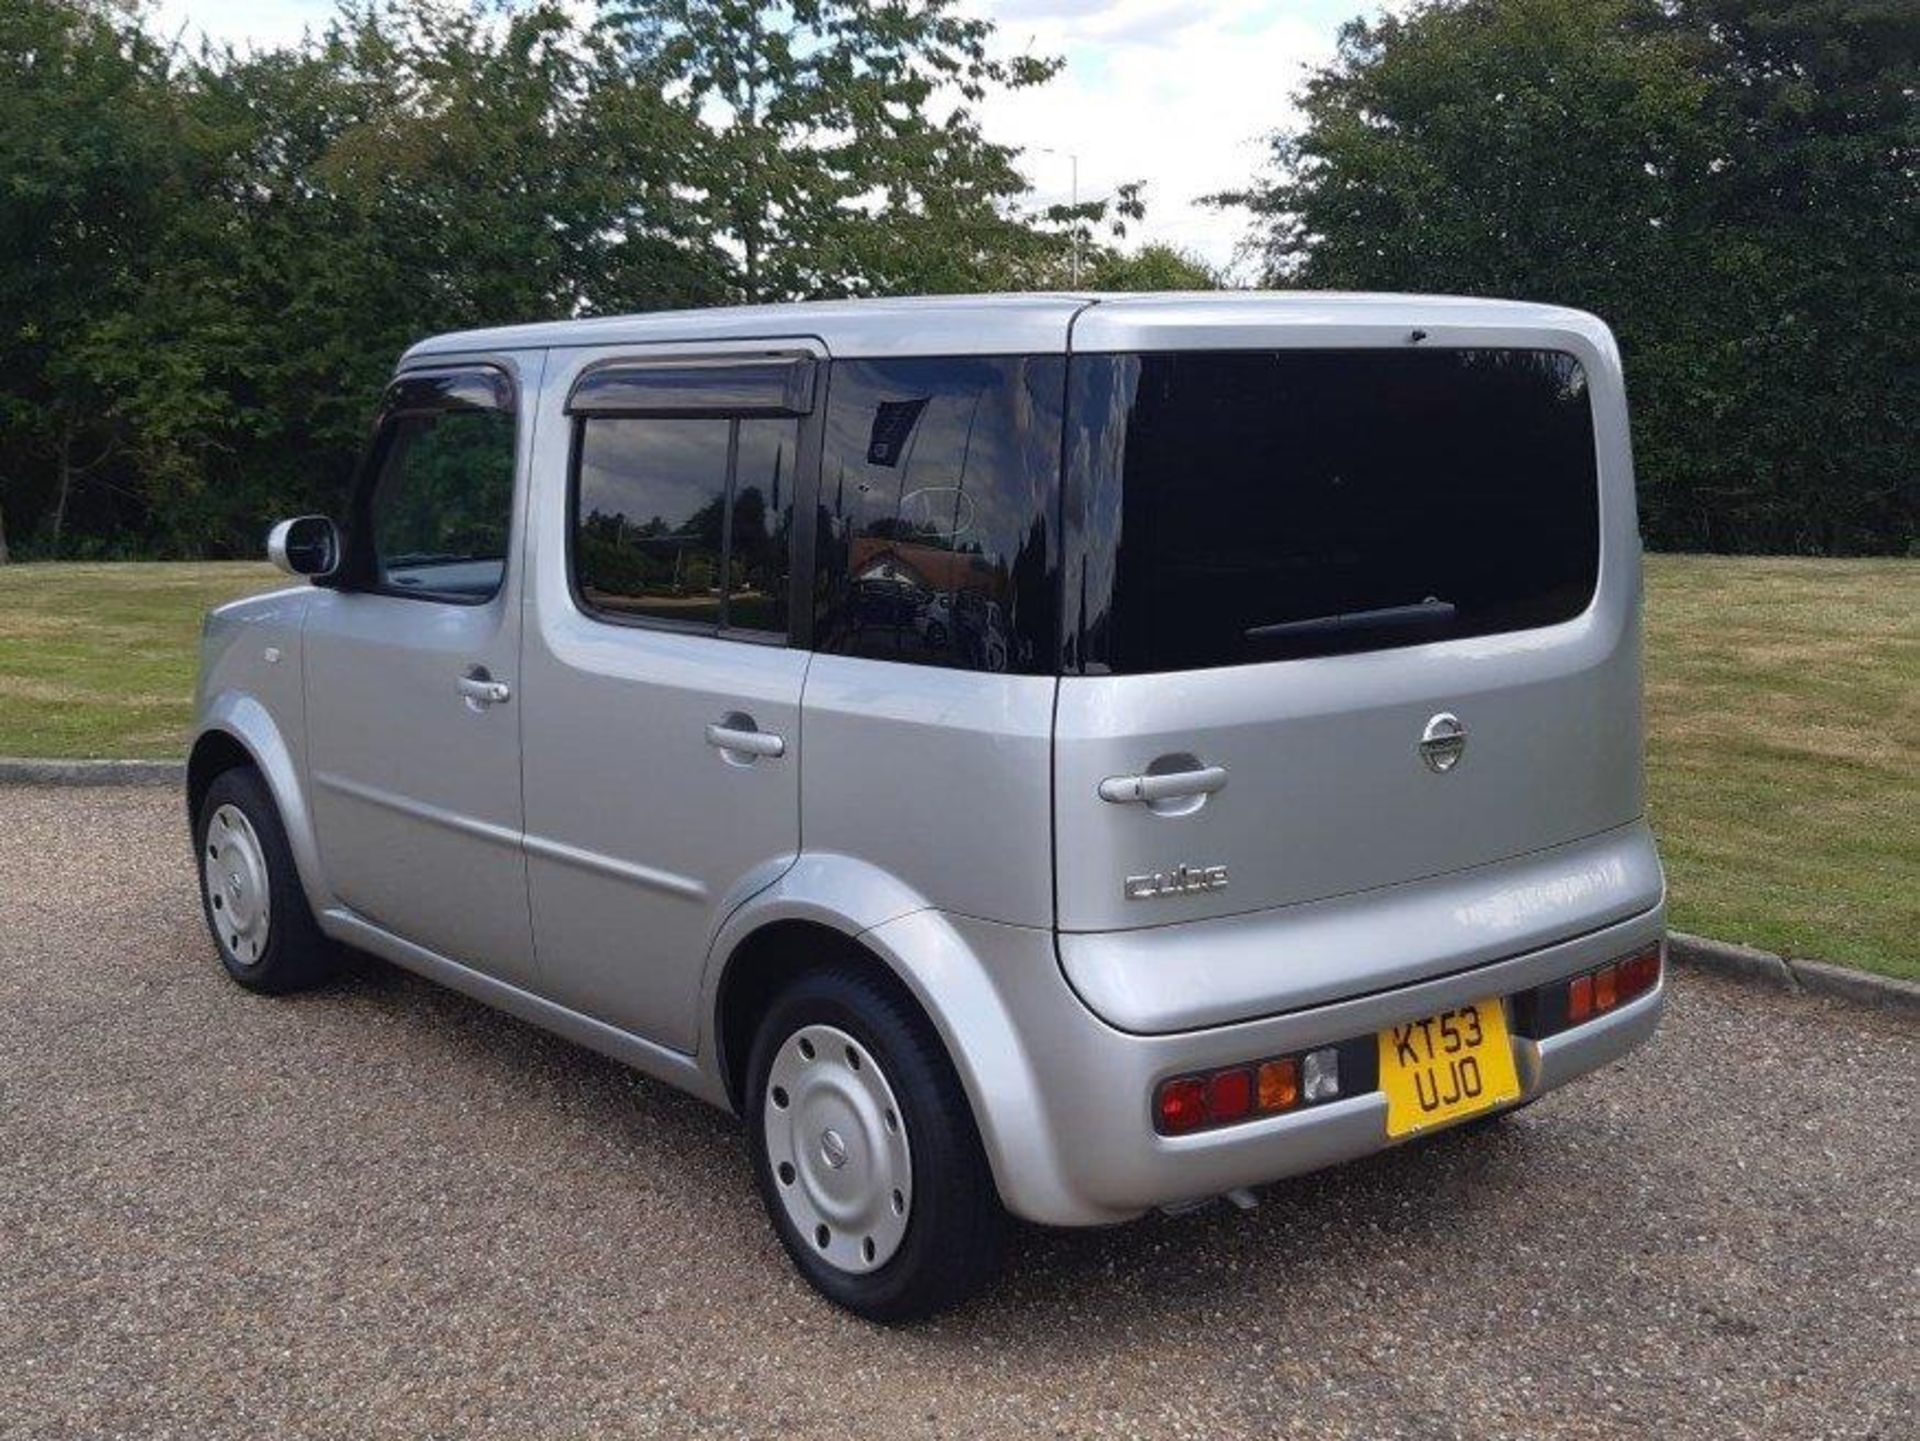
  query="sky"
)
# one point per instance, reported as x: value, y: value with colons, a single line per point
x: 1175, y: 93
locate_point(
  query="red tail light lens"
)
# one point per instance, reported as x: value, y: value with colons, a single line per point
x: 1639, y: 973
x: 1182, y: 1106
x: 1229, y: 1095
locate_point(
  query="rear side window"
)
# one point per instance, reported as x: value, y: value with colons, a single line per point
x: 1226, y: 508
x: 938, y: 536
x: 685, y: 519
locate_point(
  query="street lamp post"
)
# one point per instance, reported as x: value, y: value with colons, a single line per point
x: 1073, y: 201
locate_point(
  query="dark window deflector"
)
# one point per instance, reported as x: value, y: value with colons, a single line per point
x: 773, y: 385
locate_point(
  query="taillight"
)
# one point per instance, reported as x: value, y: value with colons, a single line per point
x: 1279, y: 1084
x: 1182, y: 1106
x: 1229, y: 1094
x: 1592, y: 993
x: 1247, y: 1092
x: 1580, y: 999
x: 1640, y: 973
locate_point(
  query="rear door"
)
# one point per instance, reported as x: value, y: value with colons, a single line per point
x: 1338, y: 616
x: 662, y: 716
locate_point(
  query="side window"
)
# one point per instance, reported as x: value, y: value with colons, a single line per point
x: 685, y: 519
x: 938, y: 538
x: 440, y: 507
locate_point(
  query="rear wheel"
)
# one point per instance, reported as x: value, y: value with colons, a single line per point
x: 865, y: 1150
x: 250, y: 892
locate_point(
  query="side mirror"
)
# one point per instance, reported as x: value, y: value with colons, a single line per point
x: 307, y: 545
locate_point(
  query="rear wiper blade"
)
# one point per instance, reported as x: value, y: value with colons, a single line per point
x: 1427, y: 612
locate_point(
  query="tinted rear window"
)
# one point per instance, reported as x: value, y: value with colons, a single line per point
x: 1226, y: 508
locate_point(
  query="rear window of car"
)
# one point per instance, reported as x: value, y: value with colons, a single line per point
x: 1229, y: 508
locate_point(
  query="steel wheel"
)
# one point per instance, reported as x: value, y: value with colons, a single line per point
x: 837, y: 1146
x: 233, y: 866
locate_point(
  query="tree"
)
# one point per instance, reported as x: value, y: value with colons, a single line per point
x: 1723, y: 182
x: 86, y: 175
x: 1152, y: 267
x: 209, y: 261
x: 840, y: 153
x: 420, y: 168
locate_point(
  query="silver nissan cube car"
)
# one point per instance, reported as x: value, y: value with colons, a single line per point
x: 1058, y: 755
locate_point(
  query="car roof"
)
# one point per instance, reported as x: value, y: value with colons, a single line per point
x: 1035, y: 323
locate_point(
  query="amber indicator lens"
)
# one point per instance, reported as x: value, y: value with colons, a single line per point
x: 1580, y: 998
x: 1279, y: 1084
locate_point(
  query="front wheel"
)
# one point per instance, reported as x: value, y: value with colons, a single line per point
x: 865, y: 1150
x: 250, y: 892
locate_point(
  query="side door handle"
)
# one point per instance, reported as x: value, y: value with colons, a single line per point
x: 1171, y: 786
x: 481, y: 689
x: 746, y: 742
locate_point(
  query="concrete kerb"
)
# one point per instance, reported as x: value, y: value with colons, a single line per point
x: 1886, y: 993
x: 21, y: 771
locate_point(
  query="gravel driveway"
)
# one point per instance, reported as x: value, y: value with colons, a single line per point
x: 384, y: 1210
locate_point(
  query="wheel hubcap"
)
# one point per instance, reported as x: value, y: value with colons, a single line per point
x: 234, y: 867
x: 837, y: 1144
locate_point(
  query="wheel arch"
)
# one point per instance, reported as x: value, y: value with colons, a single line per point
x: 877, y: 922
x: 236, y: 729
x: 759, y: 966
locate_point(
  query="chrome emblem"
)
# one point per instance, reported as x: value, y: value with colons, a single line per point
x: 1180, y: 881
x: 833, y: 1150
x: 1443, y: 742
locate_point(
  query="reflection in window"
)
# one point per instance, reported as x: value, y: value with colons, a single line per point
x: 443, y: 505
x: 762, y: 517
x: 936, y: 534
x: 651, y: 519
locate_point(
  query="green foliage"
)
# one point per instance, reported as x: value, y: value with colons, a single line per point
x: 208, y: 262
x: 446, y: 488
x: 86, y: 161
x: 1729, y: 183
x: 840, y: 154
x: 1152, y: 267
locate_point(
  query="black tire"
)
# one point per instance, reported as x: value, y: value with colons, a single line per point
x: 293, y: 954
x: 956, y: 1228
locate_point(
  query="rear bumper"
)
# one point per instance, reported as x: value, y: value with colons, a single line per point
x: 1158, y: 979
x: 1217, y: 1161
x: 1065, y: 1111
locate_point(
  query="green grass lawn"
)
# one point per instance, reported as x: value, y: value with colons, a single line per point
x: 1783, y: 753
x: 1783, y: 699
x: 98, y: 660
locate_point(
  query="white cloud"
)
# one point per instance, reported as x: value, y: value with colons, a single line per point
x: 1176, y: 93
x: 259, y: 23
x: 1179, y: 95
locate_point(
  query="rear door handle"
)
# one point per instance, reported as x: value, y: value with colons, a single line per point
x: 744, y: 742
x: 1172, y: 786
x: 481, y: 689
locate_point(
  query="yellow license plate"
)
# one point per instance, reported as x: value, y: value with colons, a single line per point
x: 1456, y: 1064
